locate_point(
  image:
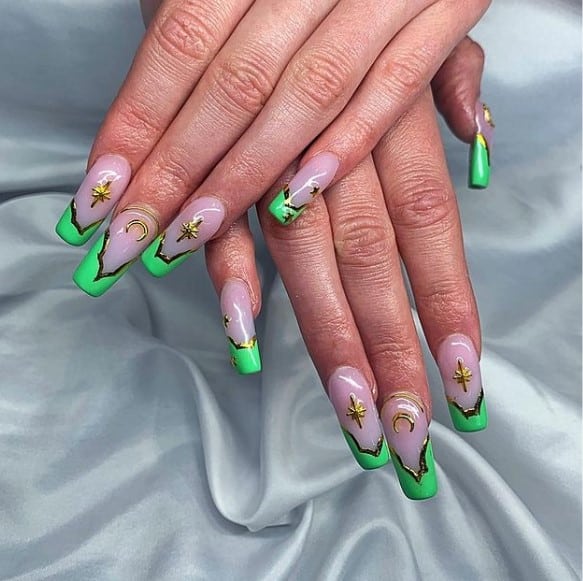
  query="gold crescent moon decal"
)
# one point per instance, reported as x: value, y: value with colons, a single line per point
x: 140, y: 224
x: 403, y: 416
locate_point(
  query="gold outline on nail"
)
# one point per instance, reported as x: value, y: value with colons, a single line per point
x: 78, y: 227
x: 100, y: 274
x: 245, y: 345
x: 164, y: 257
x: 475, y: 410
x: 423, y: 468
x: 376, y: 452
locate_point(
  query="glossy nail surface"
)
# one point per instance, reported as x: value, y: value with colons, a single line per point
x: 357, y: 413
x: 481, y: 149
x: 460, y: 371
x: 311, y: 180
x: 100, y: 191
x: 407, y: 429
x: 240, y: 327
x: 196, y: 224
x: 109, y: 258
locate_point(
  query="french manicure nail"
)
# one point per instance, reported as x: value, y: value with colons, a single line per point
x: 194, y: 226
x: 100, y: 191
x: 110, y: 257
x: 481, y: 149
x: 240, y: 327
x: 459, y: 366
x: 406, y: 426
x: 357, y: 413
x: 314, y: 177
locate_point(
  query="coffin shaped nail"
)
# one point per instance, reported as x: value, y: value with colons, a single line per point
x: 194, y: 226
x: 459, y: 366
x: 100, y: 191
x: 481, y: 149
x: 110, y: 257
x: 407, y: 429
x: 240, y: 327
x: 357, y: 413
x: 311, y: 180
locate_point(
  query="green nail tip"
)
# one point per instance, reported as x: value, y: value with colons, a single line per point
x: 282, y: 212
x: 417, y: 488
x: 246, y: 360
x: 87, y: 276
x: 156, y: 263
x: 479, y: 176
x: 69, y: 231
x: 369, y: 460
x: 473, y: 423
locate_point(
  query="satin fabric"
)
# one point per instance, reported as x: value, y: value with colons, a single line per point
x: 129, y: 450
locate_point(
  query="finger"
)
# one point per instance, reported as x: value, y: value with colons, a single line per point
x: 423, y: 209
x: 231, y: 264
x: 456, y: 88
x: 243, y: 79
x: 369, y: 266
x: 397, y: 78
x: 305, y: 259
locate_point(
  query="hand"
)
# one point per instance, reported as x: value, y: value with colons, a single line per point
x: 224, y: 94
x: 341, y: 268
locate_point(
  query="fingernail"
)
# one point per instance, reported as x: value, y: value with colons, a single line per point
x: 110, y: 257
x: 406, y: 426
x: 311, y: 180
x: 460, y: 371
x: 100, y: 191
x: 357, y: 413
x: 240, y: 327
x: 481, y: 148
x: 196, y: 224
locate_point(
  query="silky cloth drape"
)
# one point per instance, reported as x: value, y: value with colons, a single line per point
x: 129, y: 450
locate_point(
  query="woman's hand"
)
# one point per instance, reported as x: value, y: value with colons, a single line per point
x: 224, y: 94
x: 341, y: 266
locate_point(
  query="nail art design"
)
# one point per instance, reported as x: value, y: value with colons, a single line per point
x: 311, y: 180
x: 407, y: 429
x: 101, y: 189
x: 240, y: 327
x: 196, y: 224
x: 481, y: 148
x: 460, y: 371
x: 111, y: 256
x: 357, y: 413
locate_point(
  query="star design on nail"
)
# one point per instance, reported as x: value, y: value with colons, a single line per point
x: 356, y: 410
x: 189, y: 230
x: 101, y: 193
x: 226, y: 321
x: 462, y: 374
x: 315, y: 191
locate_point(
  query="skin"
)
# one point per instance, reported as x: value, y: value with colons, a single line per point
x: 340, y: 261
x: 248, y: 87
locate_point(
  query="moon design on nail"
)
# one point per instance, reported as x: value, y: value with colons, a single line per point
x: 403, y: 416
x: 140, y: 224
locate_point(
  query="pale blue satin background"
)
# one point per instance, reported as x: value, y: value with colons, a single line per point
x: 130, y: 451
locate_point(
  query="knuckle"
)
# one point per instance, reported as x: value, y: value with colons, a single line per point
x: 172, y: 163
x: 405, y: 73
x: 423, y: 204
x: 245, y: 83
x: 450, y: 302
x: 397, y: 353
x: 186, y: 34
x: 363, y: 242
x: 319, y: 79
x: 138, y: 120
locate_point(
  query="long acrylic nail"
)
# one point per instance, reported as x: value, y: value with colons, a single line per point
x: 240, y: 327
x: 481, y: 149
x: 357, y: 413
x: 406, y: 426
x: 196, y: 224
x: 100, y: 191
x: 311, y: 180
x: 460, y: 371
x: 110, y: 257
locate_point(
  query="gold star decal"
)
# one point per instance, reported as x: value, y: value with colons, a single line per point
x: 462, y: 375
x: 226, y: 321
x: 100, y: 193
x: 315, y: 191
x: 356, y: 411
x: 189, y: 230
